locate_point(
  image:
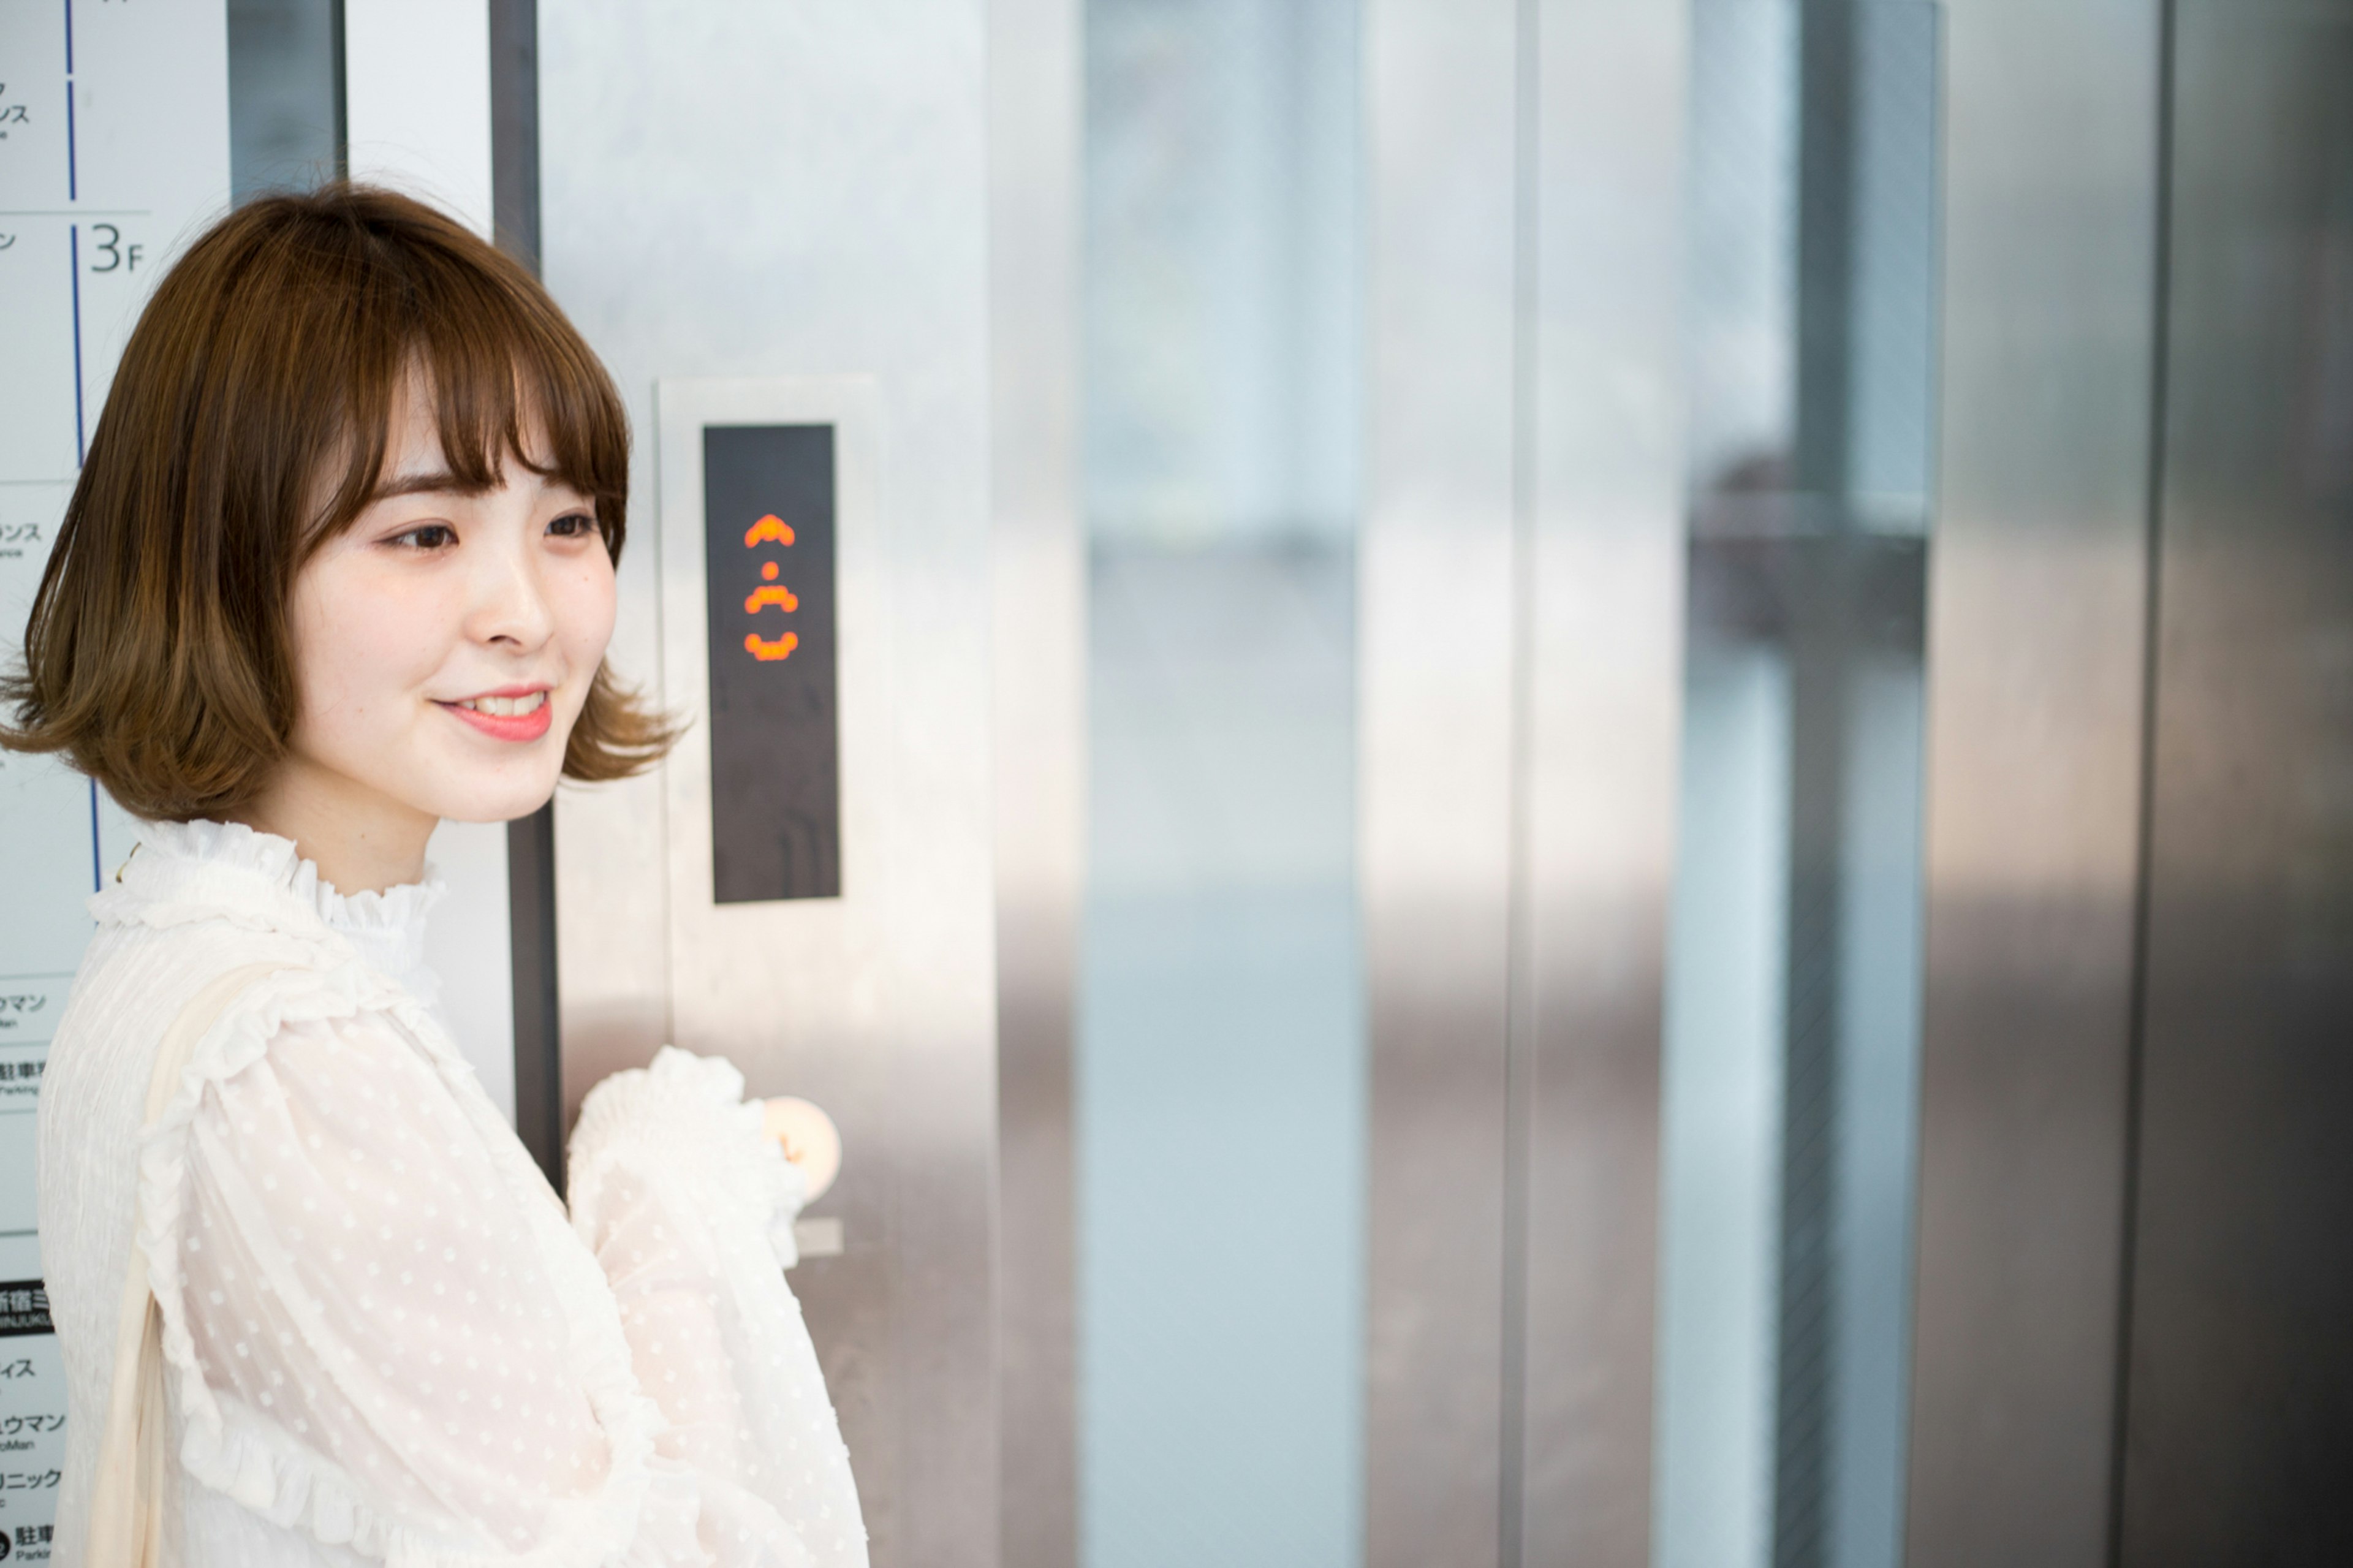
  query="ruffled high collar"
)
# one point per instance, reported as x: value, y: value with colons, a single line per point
x: 225, y: 869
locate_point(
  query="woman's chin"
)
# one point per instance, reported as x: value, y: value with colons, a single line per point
x: 512, y: 793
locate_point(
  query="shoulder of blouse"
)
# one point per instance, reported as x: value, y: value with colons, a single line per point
x: 233, y: 1451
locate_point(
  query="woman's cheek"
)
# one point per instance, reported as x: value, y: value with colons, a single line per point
x: 588, y: 613
x: 369, y: 643
x: 400, y: 629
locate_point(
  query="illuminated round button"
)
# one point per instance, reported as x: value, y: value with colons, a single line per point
x: 810, y: 1139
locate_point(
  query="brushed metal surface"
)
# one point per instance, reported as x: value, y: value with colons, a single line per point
x: 734, y: 190
x: 2036, y: 616
x: 1038, y: 749
x: 1436, y: 653
x: 1602, y: 634
x: 793, y: 983
x: 2236, y: 1434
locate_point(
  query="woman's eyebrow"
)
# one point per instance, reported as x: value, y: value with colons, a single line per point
x: 436, y: 481
x: 441, y: 481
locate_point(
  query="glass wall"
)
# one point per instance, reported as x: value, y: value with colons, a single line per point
x: 1220, y: 1054
x: 1793, y: 1009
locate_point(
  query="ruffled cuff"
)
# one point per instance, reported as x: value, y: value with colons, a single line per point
x: 685, y: 1117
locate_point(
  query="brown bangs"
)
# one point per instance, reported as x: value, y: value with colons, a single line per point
x: 247, y: 423
x: 500, y: 363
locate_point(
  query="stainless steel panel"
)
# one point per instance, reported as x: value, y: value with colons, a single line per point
x: 1038, y: 746
x: 741, y: 190
x: 1601, y: 637
x: 1436, y: 759
x: 798, y: 984
x: 2035, y: 668
x: 1436, y: 649
x: 2241, y: 1373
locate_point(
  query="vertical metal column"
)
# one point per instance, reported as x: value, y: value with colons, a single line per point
x: 1600, y: 578
x: 1821, y: 630
x: 2233, y: 1424
x: 1437, y: 649
x: 531, y: 840
x: 2034, y: 702
x: 1521, y: 648
x: 1038, y: 750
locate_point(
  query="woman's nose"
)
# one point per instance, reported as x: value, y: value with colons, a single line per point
x: 511, y: 599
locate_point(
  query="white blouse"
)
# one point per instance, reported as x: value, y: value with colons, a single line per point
x: 384, y: 1339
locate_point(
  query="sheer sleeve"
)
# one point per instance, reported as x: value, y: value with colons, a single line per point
x: 381, y: 1339
x: 688, y: 1210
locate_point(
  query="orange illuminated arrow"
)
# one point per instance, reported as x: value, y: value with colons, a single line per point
x: 781, y: 597
x: 770, y: 529
x: 767, y: 652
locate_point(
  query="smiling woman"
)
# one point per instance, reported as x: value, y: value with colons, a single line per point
x: 340, y: 566
x: 323, y: 382
x: 446, y: 643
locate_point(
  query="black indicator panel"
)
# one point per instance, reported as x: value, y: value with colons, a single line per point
x: 776, y: 730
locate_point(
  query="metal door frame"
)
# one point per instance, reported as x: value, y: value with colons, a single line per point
x: 2038, y: 624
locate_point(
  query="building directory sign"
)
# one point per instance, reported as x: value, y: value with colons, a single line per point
x: 114, y: 151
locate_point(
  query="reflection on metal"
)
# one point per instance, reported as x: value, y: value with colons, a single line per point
x: 1435, y: 761
x: 1601, y: 570
x: 1037, y: 747
x: 2234, y: 1437
x: 2035, y: 619
x: 1221, y: 1142
x: 721, y: 222
x: 1517, y: 771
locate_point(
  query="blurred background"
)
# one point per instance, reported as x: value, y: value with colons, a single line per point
x: 1605, y: 811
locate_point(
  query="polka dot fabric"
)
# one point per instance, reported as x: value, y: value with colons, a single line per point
x: 387, y: 1341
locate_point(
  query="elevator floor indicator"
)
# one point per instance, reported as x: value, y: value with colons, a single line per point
x: 769, y: 507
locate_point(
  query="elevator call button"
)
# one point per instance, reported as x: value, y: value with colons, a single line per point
x: 768, y: 493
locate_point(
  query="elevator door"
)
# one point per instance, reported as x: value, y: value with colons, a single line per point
x: 2236, y: 1414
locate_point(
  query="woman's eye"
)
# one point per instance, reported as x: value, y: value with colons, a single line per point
x: 426, y: 536
x: 572, y: 525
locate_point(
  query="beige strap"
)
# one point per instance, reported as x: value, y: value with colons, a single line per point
x: 126, y: 1495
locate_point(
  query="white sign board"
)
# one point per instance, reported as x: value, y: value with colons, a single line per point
x: 114, y: 152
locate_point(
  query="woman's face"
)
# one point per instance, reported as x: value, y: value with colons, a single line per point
x: 445, y: 642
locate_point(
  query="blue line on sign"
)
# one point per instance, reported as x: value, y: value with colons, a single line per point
x: 73, y: 174
x: 69, y: 37
x: 73, y: 238
x: 96, y: 874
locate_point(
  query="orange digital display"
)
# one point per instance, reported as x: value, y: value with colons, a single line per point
x: 770, y: 530
x: 768, y: 510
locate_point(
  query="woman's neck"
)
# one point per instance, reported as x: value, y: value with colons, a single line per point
x: 362, y: 840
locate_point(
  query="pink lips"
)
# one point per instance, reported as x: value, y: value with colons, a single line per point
x: 528, y: 726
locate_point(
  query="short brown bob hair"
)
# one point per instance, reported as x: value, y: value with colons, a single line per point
x: 261, y: 376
